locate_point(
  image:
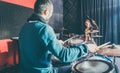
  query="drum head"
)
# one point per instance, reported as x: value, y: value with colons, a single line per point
x: 93, y: 66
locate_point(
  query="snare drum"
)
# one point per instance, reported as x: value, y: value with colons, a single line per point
x: 94, y: 64
x: 76, y: 41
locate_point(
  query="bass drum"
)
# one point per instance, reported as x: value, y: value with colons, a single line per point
x: 95, y: 64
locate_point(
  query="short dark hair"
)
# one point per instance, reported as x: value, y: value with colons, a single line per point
x: 42, y: 5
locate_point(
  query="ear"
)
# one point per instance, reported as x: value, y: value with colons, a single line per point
x: 46, y: 12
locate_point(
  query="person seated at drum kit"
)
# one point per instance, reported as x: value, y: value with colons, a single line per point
x: 110, y: 50
x: 38, y: 42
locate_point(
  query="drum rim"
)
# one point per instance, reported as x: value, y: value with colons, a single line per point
x: 108, y: 63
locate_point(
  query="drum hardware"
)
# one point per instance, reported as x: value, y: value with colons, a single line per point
x: 114, y: 61
x: 93, y: 31
x: 89, y: 35
x: 97, y: 36
x: 114, y: 58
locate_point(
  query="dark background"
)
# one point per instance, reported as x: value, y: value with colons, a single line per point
x: 106, y: 13
x: 12, y: 18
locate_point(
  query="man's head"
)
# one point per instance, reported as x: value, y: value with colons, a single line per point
x: 44, y: 8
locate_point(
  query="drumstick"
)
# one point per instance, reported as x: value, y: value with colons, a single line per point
x: 103, y: 45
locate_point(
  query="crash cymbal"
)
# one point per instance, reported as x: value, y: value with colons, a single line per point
x: 94, y: 31
x: 97, y: 36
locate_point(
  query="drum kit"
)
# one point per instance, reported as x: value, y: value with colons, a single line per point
x: 94, y: 63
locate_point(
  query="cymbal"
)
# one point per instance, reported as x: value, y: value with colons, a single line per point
x: 94, y: 31
x: 97, y: 36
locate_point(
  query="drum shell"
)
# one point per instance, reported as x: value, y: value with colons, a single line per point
x: 100, y: 59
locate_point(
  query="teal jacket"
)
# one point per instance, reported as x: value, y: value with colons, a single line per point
x: 38, y: 42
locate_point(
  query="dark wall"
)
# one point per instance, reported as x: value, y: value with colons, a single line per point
x: 12, y: 18
x: 106, y: 13
x: 56, y: 20
x: 70, y: 19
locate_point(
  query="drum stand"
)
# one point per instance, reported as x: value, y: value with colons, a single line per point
x: 92, y: 39
x: 115, y: 66
x: 116, y: 70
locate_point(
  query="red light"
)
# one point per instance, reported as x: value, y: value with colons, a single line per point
x: 25, y: 3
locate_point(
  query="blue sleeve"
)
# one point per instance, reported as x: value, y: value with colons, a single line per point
x: 64, y: 54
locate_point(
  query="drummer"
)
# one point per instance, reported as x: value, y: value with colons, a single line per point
x: 37, y: 42
x: 111, y: 50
